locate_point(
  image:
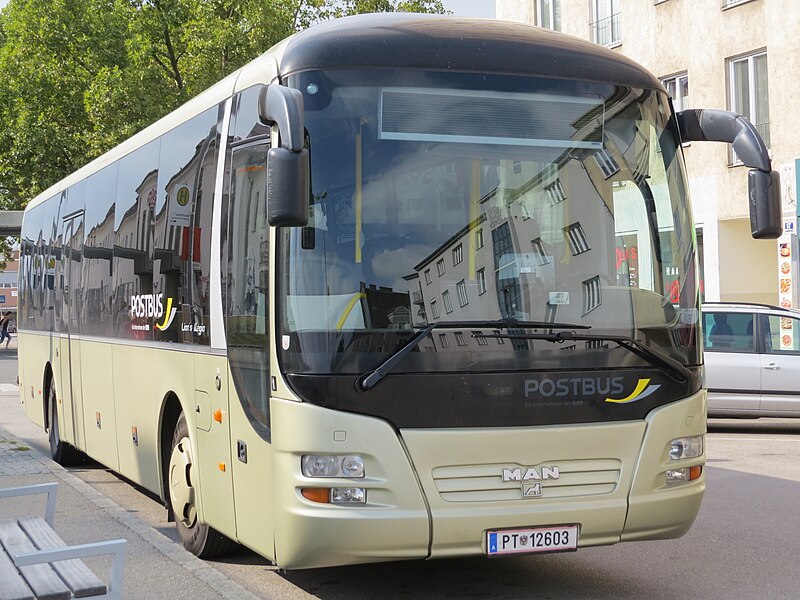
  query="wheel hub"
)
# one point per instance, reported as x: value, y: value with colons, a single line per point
x: 181, y: 490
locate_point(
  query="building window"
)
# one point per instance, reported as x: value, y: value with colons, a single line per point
x: 478, y: 335
x: 539, y: 252
x: 749, y: 91
x: 443, y: 340
x: 591, y: 294
x: 555, y: 192
x: 550, y: 312
x: 606, y: 163
x: 440, y: 266
x: 461, y: 287
x: 434, y: 309
x: 479, y: 239
x: 448, y: 305
x: 460, y: 339
x: 481, y: 281
x: 576, y: 237
x: 678, y: 89
x: 458, y: 254
x: 427, y: 276
x: 606, y: 27
x: 548, y: 14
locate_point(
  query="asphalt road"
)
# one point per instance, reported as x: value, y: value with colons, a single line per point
x: 744, y: 544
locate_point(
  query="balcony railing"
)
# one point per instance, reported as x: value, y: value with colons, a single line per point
x: 608, y: 31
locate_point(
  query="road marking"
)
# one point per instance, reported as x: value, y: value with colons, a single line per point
x: 8, y: 387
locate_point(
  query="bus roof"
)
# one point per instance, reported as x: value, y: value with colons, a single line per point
x: 441, y: 42
x: 401, y: 40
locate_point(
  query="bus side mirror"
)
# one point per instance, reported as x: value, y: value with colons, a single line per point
x: 764, y: 193
x: 288, y: 164
x: 763, y: 183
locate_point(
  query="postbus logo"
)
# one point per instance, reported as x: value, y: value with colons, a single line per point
x: 152, y: 306
x: 642, y: 390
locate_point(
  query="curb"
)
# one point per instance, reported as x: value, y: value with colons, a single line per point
x: 220, y: 583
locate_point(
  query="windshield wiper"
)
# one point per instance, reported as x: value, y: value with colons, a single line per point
x: 369, y: 380
x: 651, y: 355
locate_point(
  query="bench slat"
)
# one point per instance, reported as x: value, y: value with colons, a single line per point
x: 78, y: 577
x: 42, y: 579
x: 12, y: 585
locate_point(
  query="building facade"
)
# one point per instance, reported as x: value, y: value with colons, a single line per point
x: 8, y: 284
x: 739, y: 55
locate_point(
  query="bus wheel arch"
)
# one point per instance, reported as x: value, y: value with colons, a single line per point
x: 47, y: 381
x: 61, y: 452
x: 178, y: 480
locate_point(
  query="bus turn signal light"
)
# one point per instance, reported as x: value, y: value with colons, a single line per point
x: 317, y: 494
x: 218, y: 415
x: 695, y: 472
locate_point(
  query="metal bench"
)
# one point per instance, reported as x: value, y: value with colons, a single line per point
x: 36, y: 564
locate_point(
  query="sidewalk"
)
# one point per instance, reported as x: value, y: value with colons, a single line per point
x: 156, y: 567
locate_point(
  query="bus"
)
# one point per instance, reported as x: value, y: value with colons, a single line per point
x: 404, y: 287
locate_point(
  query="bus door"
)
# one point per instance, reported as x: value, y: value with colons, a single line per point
x: 69, y: 350
x: 247, y: 314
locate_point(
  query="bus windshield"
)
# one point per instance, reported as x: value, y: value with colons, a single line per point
x: 474, y: 198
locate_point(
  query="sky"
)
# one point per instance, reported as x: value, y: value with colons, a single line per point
x: 466, y: 8
x: 461, y: 8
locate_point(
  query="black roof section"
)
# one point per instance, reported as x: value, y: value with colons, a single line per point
x: 439, y: 42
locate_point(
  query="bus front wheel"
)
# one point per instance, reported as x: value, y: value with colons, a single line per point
x: 198, y: 538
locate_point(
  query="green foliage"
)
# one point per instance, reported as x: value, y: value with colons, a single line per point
x: 80, y: 77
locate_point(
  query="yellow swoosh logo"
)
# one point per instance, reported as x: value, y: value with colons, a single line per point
x: 640, y: 387
x: 168, y: 315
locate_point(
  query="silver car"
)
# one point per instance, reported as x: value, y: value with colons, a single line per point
x: 752, y: 357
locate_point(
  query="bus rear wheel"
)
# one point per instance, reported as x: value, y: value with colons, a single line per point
x: 198, y: 538
x: 60, y: 451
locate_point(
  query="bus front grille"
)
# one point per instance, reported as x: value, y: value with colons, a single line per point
x: 484, y: 483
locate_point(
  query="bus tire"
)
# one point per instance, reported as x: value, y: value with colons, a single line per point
x: 60, y: 451
x: 198, y: 538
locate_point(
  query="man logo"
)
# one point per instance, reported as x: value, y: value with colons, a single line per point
x: 532, y: 490
x: 531, y: 478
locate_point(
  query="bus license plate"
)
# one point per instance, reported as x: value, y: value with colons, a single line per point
x: 524, y: 541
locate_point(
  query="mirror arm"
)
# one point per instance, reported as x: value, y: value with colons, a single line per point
x: 711, y: 125
x: 284, y: 107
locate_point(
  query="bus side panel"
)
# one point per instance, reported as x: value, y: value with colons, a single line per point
x: 214, y: 443
x: 393, y: 524
x: 97, y: 375
x: 136, y: 369
x: 33, y: 352
x: 252, y: 481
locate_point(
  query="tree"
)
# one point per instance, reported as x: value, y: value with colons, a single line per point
x: 80, y: 77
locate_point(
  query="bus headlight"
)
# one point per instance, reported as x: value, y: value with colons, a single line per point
x: 349, y: 466
x: 687, y: 447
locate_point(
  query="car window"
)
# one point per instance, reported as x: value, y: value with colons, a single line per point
x: 782, y: 335
x: 728, y: 332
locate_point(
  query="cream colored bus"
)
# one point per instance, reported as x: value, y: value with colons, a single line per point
x: 403, y: 287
